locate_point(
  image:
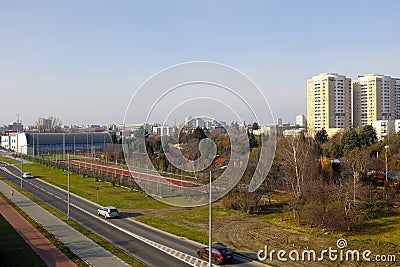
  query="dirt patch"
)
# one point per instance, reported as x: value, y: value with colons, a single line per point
x: 247, y: 236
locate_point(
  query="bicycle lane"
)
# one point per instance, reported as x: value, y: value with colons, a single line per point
x: 39, y: 243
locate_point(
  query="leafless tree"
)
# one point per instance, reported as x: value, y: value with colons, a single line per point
x: 299, y: 160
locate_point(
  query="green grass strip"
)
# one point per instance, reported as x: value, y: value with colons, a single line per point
x: 14, y: 251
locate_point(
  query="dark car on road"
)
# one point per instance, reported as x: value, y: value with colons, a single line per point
x: 220, y: 254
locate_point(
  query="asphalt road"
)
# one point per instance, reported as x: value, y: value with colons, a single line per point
x: 133, y: 237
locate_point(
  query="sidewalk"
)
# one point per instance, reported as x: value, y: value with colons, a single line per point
x: 82, y: 246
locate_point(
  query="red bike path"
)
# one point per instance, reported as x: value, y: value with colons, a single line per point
x: 39, y: 243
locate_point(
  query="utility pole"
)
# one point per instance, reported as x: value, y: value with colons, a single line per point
x: 68, y: 198
x: 386, y: 174
x: 210, y: 216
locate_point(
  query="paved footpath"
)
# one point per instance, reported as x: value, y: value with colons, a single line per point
x: 82, y: 246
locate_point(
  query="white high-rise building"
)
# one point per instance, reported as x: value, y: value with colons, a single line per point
x: 374, y: 98
x: 396, y: 83
x: 328, y: 103
x: 301, y: 121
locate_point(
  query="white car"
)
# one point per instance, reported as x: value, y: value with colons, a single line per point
x: 108, y: 212
x: 27, y: 175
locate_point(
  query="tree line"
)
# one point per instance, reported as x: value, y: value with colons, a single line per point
x: 329, y: 183
x: 332, y: 182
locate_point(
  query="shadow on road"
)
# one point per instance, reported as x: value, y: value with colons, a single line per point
x: 130, y: 214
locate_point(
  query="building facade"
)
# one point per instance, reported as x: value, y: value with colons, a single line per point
x: 163, y: 130
x: 329, y: 103
x: 56, y: 143
x: 385, y: 128
x: 396, y: 83
x: 374, y: 98
x: 6, y: 142
x: 301, y: 121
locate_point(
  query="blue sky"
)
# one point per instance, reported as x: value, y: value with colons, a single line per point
x: 81, y: 61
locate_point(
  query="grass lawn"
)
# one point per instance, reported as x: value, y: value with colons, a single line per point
x: 120, y: 197
x: 189, y: 223
x: 7, y: 160
x: 14, y: 251
x: 383, y: 232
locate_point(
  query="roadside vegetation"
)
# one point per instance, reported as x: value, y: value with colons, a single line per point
x: 333, y: 185
x: 318, y: 190
x: 95, y: 190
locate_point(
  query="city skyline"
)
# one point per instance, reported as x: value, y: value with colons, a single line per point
x: 82, y: 62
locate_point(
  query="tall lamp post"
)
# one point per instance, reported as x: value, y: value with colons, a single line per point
x: 20, y: 160
x: 68, y: 199
x: 210, y: 216
x: 386, y: 160
x: 354, y: 186
x: 386, y: 174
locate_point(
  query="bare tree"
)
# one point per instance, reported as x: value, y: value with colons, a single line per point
x: 299, y: 160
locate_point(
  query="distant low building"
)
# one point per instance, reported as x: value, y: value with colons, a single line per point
x: 293, y: 132
x: 56, y: 143
x: 265, y: 129
x: 163, y: 130
x: 383, y: 128
x: 192, y: 123
x: 380, y: 177
x: 13, y: 127
x: 6, y: 142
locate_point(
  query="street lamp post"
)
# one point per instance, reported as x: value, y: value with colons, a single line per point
x: 386, y: 173
x: 354, y: 186
x: 20, y: 160
x: 210, y: 217
x: 68, y: 190
x: 386, y: 160
x: 21, y: 174
x: 210, y: 223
